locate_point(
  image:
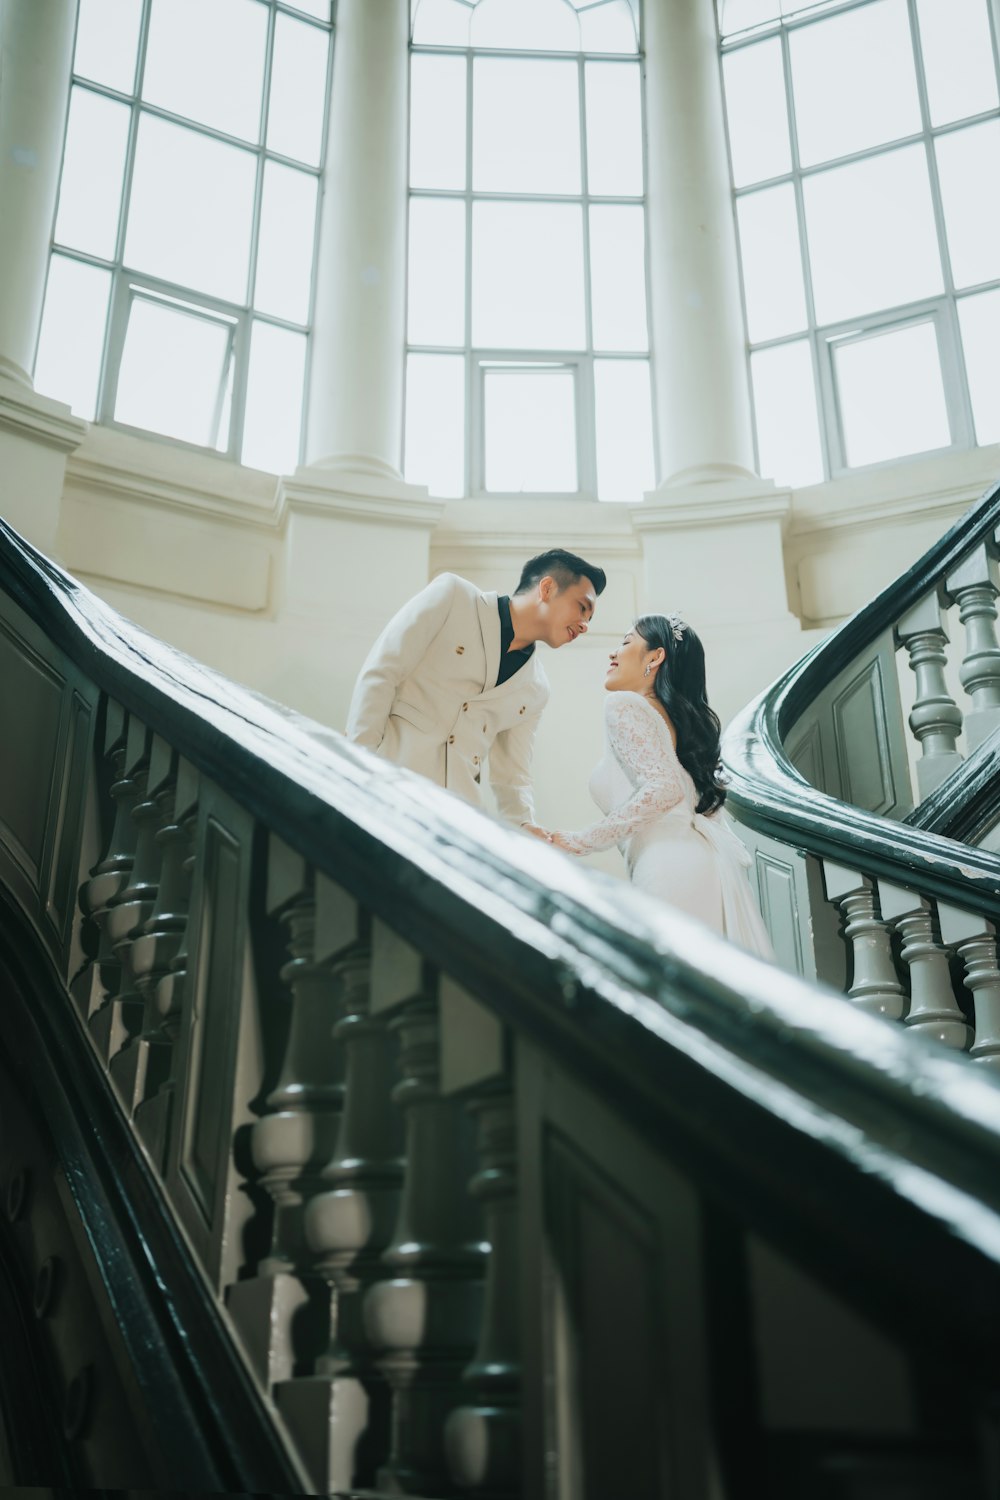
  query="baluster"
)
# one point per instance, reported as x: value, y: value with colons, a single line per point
x: 936, y: 719
x: 112, y: 1012
x: 425, y: 1315
x: 975, y: 941
x: 934, y: 1011
x: 875, y: 985
x: 340, y: 1415
x: 140, y: 1066
x: 974, y: 586
x: 167, y: 976
x: 282, y: 1312
x: 483, y: 1437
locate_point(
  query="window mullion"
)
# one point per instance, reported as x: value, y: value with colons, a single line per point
x: 586, y: 453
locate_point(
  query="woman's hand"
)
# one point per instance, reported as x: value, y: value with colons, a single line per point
x: 563, y: 841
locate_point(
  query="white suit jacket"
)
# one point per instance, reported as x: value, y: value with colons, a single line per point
x: 426, y: 697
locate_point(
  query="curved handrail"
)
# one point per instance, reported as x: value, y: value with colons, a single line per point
x: 771, y: 796
x: 632, y: 979
x: 806, y: 1120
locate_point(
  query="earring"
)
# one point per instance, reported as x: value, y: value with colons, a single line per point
x: 646, y: 673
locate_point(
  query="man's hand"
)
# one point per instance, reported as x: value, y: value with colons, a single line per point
x: 536, y: 832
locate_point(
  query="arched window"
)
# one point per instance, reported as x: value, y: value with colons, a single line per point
x: 865, y: 149
x: 528, y: 340
x: 180, y: 284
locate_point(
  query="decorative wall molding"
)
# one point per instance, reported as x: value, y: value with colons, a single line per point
x: 39, y: 418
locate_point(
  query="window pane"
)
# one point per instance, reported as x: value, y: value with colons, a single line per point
x: 773, y: 287
x: 872, y: 240
x: 757, y: 112
x: 207, y: 62
x: 958, y: 58
x: 442, y: 22
x: 68, y: 364
x: 273, y: 422
x: 530, y: 431
x: 191, y: 209
x: 435, y: 423
x: 969, y: 169
x: 534, y: 148
x: 298, y: 90
x: 542, y: 25
x: 171, y: 373
x: 285, y: 246
x: 854, y: 81
x: 614, y: 129
x: 891, y: 395
x: 90, y: 190
x: 608, y: 28
x: 618, y: 277
x: 436, y: 300
x: 107, y: 36
x: 527, y: 276
x: 739, y: 15
x: 980, y: 322
x: 318, y: 8
x: 786, y: 418
x: 437, y: 122
x: 624, y: 428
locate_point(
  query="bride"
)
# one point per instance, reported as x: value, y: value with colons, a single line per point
x: 658, y: 784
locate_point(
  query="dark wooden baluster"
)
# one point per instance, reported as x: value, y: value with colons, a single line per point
x: 141, y: 1065
x: 168, y: 974
x: 339, y: 1415
x: 113, y: 1012
x: 283, y: 1311
x: 425, y: 1316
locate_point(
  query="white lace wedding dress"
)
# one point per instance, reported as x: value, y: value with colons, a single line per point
x: 692, y: 860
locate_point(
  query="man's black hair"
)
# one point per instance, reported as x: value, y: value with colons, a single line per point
x: 565, y: 567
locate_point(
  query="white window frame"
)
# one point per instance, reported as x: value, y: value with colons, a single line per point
x: 127, y: 282
x: 581, y: 359
x: 943, y: 308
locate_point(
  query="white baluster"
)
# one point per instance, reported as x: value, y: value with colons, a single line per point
x: 936, y: 719
x: 974, y: 586
x: 874, y: 984
x: 934, y: 1011
x: 975, y: 941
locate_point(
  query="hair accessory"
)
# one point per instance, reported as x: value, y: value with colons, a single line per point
x: 676, y: 627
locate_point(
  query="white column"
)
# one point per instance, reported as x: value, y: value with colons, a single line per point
x: 356, y: 399
x: 702, y: 393
x: 349, y: 500
x: 36, y: 433
x: 36, y: 59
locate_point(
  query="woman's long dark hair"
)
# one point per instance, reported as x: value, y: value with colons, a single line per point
x: 679, y: 685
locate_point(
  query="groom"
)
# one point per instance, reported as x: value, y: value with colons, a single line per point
x: 454, y: 681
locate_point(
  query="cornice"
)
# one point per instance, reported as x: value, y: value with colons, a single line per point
x: 375, y: 499
x: 718, y: 505
x: 45, y: 421
x: 145, y: 487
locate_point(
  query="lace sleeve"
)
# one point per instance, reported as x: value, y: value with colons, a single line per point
x: 651, y: 765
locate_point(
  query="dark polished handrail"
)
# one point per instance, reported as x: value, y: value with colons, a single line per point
x: 773, y: 798
x: 966, y: 805
x: 755, y: 1080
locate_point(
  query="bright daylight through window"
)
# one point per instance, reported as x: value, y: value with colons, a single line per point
x: 865, y: 147
x: 528, y: 358
x: 180, y: 284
